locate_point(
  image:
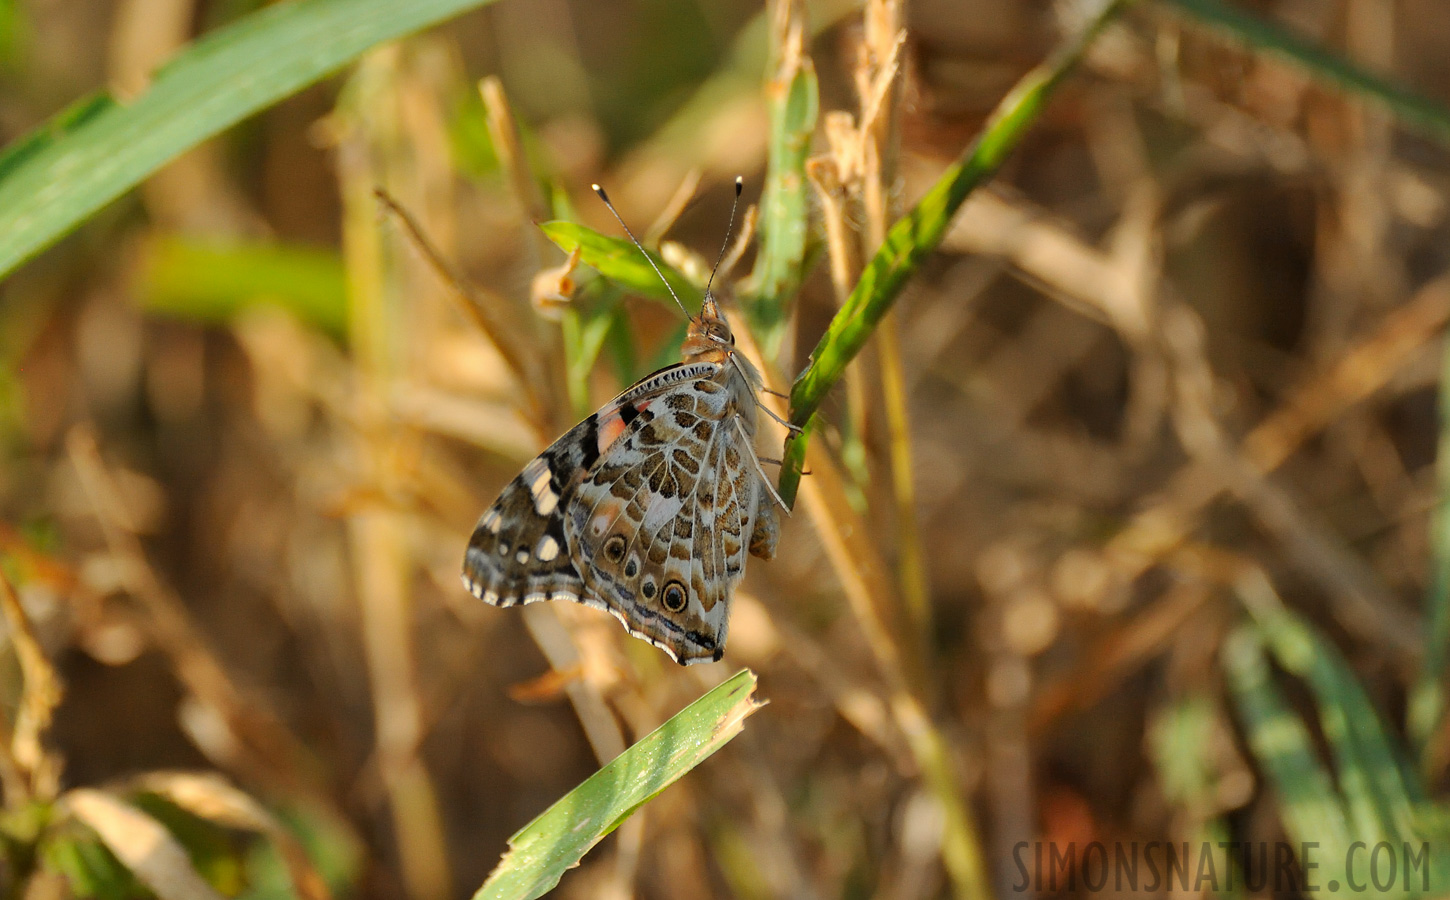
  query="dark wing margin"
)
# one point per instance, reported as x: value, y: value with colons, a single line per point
x: 518, y: 552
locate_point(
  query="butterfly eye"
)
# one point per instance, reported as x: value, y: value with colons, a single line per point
x: 614, y: 548
x: 674, y: 597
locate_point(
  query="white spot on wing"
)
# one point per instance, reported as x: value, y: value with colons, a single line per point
x: 538, y: 477
x: 548, y: 549
x: 522, y: 556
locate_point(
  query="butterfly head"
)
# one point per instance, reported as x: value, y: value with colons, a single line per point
x: 709, y: 338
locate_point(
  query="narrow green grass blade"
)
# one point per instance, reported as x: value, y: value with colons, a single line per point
x: 1310, y: 808
x: 1427, y: 697
x: 212, y: 283
x: 916, y: 235
x: 1182, y: 742
x: 540, y: 853
x: 620, y: 261
x: 1426, y: 116
x: 785, y: 203
x: 1371, y: 774
x: 66, y: 171
x: 585, y: 331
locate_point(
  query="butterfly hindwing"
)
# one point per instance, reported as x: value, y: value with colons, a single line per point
x: 644, y: 522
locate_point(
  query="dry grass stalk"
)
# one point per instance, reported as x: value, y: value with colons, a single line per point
x: 861, y: 574
x: 41, y: 692
x: 261, y: 748
x: 1365, y: 368
x: 1082, y: 274
x: 381, y: 561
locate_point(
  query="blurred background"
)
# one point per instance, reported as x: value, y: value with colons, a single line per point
x: 1165, y: 397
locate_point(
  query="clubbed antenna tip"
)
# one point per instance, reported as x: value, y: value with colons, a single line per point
x: 647, y: 258
x: 739, y: 186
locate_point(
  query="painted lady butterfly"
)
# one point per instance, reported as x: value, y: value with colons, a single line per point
x: 646, y: 508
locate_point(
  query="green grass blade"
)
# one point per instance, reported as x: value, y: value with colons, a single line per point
x: 621, y: 262
x: 540, y: 853
x: 1371, y: 774
x: 785, y: 202
x: 916, y: 235
x: 213, y: 282
x: 69, y: 170
x: 1427, y: 697
x: 793, y: 461
x: 585, y: 332
x: 1310, y: 808
x: 1415, y: 111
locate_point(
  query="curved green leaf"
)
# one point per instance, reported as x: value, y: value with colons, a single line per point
x: 541, y: 851
x: 620, y: 261
x: 54, y: 178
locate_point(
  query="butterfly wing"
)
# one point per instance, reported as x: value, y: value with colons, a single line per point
x: 519, y: 551
x: 659, y: 526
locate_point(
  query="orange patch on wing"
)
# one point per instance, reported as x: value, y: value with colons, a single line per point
x: 609, y: 431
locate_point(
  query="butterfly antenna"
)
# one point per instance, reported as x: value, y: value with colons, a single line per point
x: 620, y: 219
x: 739, y: 185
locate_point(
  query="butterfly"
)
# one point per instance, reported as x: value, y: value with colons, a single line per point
x: 648, y: 508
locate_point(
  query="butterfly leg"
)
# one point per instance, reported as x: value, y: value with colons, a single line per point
x: 793, y: 429
x: 755, y: 460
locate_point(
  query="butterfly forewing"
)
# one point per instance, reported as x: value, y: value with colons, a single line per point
x: 519, y: 552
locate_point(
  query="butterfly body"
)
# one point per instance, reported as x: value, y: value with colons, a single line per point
x: 646, y: 509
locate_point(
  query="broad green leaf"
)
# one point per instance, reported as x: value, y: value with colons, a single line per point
x: 52, y: 180
x: 140, y: 843
x: 540, y: 853
x: 212, y: 282
x: 621, y: 262
x: 215, y: 856
x: 90, y: 870
x: 917, y: 234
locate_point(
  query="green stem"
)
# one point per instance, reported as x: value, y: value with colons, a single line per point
x: 917, y: 234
